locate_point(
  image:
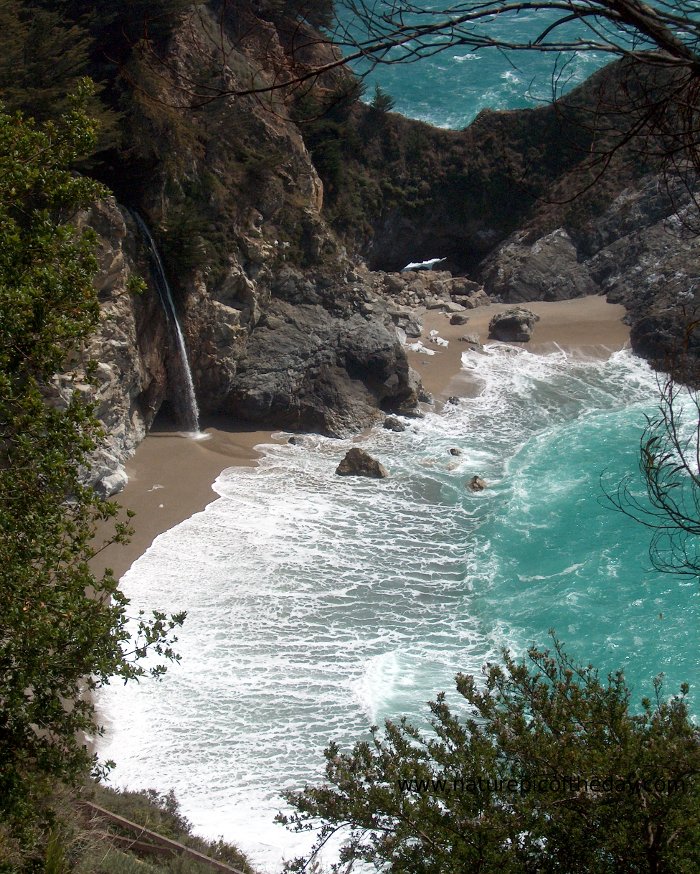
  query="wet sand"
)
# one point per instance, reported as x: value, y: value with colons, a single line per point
x: 171, y: 476
x: 170, y: 479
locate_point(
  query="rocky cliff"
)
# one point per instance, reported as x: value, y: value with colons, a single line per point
x: 520, y: 202
x: 264, y: 209
x: 642, y: 250
x: 280, y: 327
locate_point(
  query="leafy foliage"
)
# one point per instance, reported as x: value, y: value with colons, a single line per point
x: 63, y: 631
x: 549, y: 772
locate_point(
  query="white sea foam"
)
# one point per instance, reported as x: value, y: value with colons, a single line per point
x: 318, y: 606
x: 312, y: 601
x: 419, y: 347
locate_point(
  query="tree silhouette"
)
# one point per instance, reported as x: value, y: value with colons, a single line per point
x: 669, y: 464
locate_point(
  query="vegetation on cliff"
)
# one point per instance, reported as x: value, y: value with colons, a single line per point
x: 63, y: 630
x: 546, y: 770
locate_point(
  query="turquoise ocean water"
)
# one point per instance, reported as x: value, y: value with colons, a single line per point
x: 450, y: 88
x: 319, y: 606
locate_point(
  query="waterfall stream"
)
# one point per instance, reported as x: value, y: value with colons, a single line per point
x: 186, y: 400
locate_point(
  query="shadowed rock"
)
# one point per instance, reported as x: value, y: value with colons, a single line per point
x: 391, y: 423
x: 357, y: 462
x: 513, y: 325
x: 472, y: 339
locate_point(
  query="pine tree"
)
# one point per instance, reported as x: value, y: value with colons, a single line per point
x: 546, y: 770
x: 44, y: 54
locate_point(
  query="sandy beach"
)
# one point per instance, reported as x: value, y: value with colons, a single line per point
x: 585, y: 326
x: 171, y: 476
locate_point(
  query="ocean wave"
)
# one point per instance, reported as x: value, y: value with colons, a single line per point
x: 319, y: 605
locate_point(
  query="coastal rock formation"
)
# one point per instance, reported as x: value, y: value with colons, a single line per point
x: 391, y: 423
x: 307, y: 368
x: 264, y: 245
x: 517, y: 203
x: 130, y: 348
x: 642, y: 250
x: 435, y: 289
x: 547, y: 269
x: 472, y: 340
x: 513, y: 325
x: 357, y: 462
x: 280, y: 326
x: 476, y: 484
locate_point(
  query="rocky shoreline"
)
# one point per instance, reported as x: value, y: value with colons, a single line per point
x: 269, y: 253
x: 170, y: 477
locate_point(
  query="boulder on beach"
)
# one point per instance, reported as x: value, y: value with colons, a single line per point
x: 357, y: 462
x: 458, y: 319
x: 472, y: 339
x: 513, y: 325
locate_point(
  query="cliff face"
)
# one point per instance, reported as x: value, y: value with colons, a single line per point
x: 282, y: 326
x: 131, y: 346
x: 641, y: 251
x: 277, y: 322
x: 518, y: 202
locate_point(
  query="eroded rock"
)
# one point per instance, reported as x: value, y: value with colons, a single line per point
x: 472, y: 340
x: 513, y: 326
x: 391, y: 423
x: 548, y: 269
x: 357, y: 462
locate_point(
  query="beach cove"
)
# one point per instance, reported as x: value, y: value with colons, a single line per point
x: 171, y: 476
x: 319, y: 606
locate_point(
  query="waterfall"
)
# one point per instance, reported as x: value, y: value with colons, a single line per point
x: 186, y: 400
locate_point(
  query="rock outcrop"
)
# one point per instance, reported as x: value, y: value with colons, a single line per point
x: 391, y: 423
x: 357, y: 462
x: 642, y: 251
x: 131, y: 347
x: 517, y: 201
x: 284, y: 326
x: 310, y: 369
x: 547, y: 269
x: 280, y: 327
x: 513, y: 325
x: 431, y: 289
